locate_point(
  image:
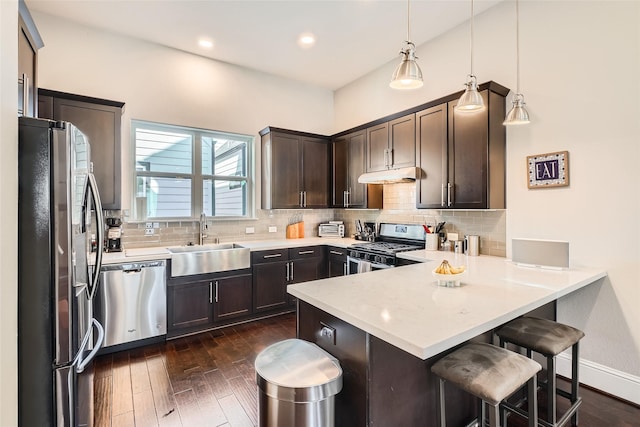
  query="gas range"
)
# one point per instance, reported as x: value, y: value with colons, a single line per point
x: 394, y: 238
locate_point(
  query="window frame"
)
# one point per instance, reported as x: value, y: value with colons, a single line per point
x: 196, y: 176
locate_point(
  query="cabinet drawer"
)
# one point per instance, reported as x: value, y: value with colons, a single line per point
x: 275, y: 255
x: 306, y: 252
x: 335, y: 252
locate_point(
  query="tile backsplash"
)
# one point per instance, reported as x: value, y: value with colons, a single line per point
x: 399, y: 206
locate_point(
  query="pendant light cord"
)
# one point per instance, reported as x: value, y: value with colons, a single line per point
x: 517, y: 47
x: 471, y: 38
x: 408, y: 21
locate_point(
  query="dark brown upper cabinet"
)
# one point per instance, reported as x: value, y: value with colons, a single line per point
x: 348, y: 158
x: 461, y: 155
x: 100, y: 120
x: 391, y: 145
x: 29, y: 41
x: 295, y: 169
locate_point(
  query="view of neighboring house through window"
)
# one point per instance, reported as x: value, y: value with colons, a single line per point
x: 181, y: 172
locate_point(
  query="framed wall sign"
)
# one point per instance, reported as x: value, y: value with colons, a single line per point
x: 548, y: 170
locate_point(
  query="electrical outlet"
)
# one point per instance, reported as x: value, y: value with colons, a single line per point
x: 273, y: 229
x: 148, y: 232
x: 250, y: 230
x: 148, y: 225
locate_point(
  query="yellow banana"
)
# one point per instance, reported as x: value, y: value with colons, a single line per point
x: 446, y: 268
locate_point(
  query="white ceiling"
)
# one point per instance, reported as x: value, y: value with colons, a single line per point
x: 353, y: 36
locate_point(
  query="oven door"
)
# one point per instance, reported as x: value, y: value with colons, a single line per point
x: 358, y: 265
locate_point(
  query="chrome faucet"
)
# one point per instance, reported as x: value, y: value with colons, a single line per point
x: 203, y: 228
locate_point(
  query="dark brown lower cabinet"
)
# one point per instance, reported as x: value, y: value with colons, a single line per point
x: 337, y: 261
x: 204, y: 302
x: 189, y: 306
x: 270, y: 285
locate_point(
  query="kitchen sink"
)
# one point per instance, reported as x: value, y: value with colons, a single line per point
x: 202, y: 259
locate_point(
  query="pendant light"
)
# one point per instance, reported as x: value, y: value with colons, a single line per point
x: 518, y: 115
x: 471, y: 99
x: 408, y: 74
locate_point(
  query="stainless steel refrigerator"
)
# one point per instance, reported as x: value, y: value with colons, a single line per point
x: 57, y: 334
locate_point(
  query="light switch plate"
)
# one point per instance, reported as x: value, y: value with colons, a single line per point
x: 273, y: 229
x: 249, y: 230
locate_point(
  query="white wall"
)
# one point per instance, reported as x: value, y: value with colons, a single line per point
x: 8, y: 212
x: 580, y: 68
x: 170, y: 86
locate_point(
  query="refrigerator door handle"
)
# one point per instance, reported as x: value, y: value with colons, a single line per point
x: 80, y: 362
x: 92, y: 187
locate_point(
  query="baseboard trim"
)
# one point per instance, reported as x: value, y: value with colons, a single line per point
x: 612, y: 381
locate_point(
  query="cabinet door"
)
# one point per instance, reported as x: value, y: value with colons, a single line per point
x: 468, y: 156
x: 377, y: 145
x: 101, y: 125
x: 270, y: 285
x: 339, y: 171
x: 431, y: 157
x: 232, y: 297
x: 402, y: 142
x: 337, y: 264
x: 315, y: 167
x: 189, y: 305
x: 308, y: 263
x: 286, y: 171
x: 357, y: 156
x: 27, y: 66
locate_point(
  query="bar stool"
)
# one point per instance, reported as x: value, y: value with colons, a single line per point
x: 549, y: 339
x: 491, y: 374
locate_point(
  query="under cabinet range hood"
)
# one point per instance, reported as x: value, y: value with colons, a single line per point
x: 391, y: 176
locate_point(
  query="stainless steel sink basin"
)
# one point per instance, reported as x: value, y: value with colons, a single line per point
x: 202, y: 259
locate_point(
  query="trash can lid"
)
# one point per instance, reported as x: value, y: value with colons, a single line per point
x: 298, y: 370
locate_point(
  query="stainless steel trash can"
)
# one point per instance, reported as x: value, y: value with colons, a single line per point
x: 297, y: 384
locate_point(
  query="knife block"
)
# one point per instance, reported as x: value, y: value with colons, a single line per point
x: 295, y: 231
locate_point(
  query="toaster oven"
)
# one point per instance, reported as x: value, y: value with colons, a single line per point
x: 331, y: 230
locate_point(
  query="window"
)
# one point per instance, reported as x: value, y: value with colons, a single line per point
x: 181, y: 172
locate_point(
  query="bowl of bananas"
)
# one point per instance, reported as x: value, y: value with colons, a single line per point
x: 449, y: 276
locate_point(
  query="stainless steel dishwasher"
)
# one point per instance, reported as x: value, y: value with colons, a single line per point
x: 132, y: 303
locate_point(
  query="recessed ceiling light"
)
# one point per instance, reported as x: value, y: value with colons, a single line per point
x: 205, y: 43
x: 306, y: 40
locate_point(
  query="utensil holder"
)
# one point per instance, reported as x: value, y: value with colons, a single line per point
x: 431, y: 241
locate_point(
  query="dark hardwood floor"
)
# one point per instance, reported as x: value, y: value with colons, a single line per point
x: 209, y: 380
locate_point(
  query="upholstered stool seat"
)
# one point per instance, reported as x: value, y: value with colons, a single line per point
x: 549, y: 339
x: 488, y: 372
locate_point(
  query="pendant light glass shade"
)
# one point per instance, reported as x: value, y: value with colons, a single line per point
x: 470, y: 100
x: 408, y: 74
x: 518, y: 115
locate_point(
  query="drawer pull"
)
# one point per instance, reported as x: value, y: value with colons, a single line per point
x: 272, y: 256
x: 305, y: 252
x: 336, y: 253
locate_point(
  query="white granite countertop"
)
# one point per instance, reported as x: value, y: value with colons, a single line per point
x: 157, y: 253
x: 406, y: 308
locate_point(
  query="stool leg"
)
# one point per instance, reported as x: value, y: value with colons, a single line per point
x: 551, y: 390
x: 494, y: 416
x: 532, y: 386
x: 575, y: 381
x: 503, y: 411
x: 442, y: 417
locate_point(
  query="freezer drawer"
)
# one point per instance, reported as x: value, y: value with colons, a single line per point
x: 133, y: 301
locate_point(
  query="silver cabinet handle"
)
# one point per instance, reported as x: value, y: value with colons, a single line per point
x: 386, y: 159
x: 336, y: 252
x: 301, y: 203
x: 272, y: 256
x: 344, y: 269
x: 449, y: 191
x: 442, y: 195
x: 305, y: 252
x: 304, y: 195
x: 287, y: 278
x: 216, y: 291
x: 344, y: 198
x: 25, y: 95
x: 291, y: 271
x: 390, y: 156
x: 210, y: 293
x: 346, y: 205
